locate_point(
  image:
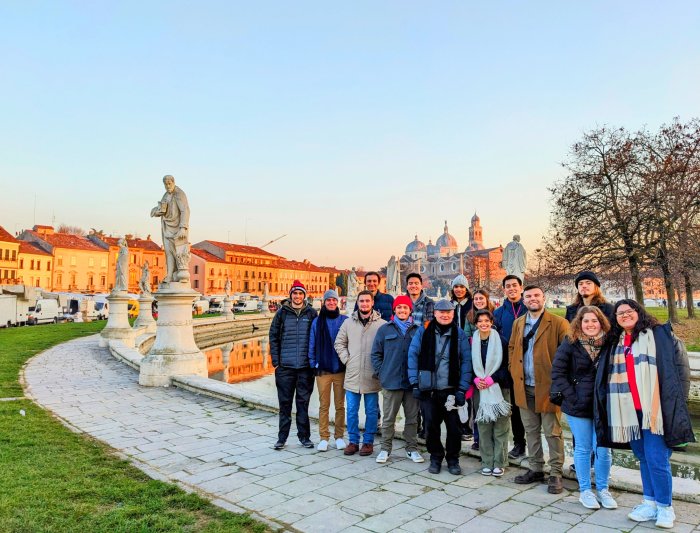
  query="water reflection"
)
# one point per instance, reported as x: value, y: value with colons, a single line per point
x: 240, y: 361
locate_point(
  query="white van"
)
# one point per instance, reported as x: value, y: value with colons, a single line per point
x: 45, y: 311
x: 246, y: 306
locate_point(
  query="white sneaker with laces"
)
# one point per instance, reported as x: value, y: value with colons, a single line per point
x: 340, y: 444
x: 382, y: 457
x: 415, y: 457
x: 322, y: 446
x: 486, y: 471
x: 665, y: 517
x: 588, y: 500
x: 497, y: 472
x: 606, y: 499
x: 643, y: 512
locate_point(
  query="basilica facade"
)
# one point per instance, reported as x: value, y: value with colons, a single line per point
x: 439, y: 263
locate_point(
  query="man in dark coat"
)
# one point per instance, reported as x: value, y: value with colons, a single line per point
x: 289, y: 350
x: 589, y: 293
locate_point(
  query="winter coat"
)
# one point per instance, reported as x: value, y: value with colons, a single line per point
x: 423, y: 309
x: 550, y: 334
x: 573, y: 374
x: 466, y: 375
x: 354, y: 347
x: 289, y: 336
x: 390, y: 356
x: 384, y: 303
x: 608, y: 310
x: 504, y: 317
x: 333, y: 365
x: 674, y: 384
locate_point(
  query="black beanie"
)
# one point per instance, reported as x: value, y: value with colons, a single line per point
x: 586, y: 274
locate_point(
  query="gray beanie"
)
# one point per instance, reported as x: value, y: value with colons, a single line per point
x: 461, y: 279
x: 330, y: 293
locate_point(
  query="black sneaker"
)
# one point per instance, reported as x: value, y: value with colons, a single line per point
x: 454, y: 469
x: 306, y: 443
x: 279, y: 445
x: 435, y: 467
x: 517, y: 452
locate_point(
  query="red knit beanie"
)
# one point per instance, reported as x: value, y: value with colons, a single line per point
x: 402, y: 300
x: 297, y: 286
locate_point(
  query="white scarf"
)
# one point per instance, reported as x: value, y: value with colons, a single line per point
x: 492, y: 405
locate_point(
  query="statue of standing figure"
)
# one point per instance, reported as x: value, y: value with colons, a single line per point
x: 227, y: 287
x: 145, y: 281
x: 353, y: 284
x: 174, y: 213
x: 121, y: 281
x: 393, y: 277
x: 515, y: 258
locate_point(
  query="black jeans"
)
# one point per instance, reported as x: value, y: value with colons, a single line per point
x: 516, y: 423
x: 433, y: 405
x: 290, y: 381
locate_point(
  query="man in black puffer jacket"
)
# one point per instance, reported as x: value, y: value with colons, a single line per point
x: 289, y: 349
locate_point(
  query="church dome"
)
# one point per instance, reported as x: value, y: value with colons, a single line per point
x: 446, y: 240
x: 433, y: 249
x: 415, y: 246
x: 476, y: 218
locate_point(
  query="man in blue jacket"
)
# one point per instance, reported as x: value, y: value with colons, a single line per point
x: 440, y: 372
x: 512, y: 308
x: 382, y: 302
x: 330, y: 371
x: 289, y: 350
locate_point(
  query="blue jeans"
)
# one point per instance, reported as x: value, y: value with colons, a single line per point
x: 584, y: 434
x: 352, y: 404
x: 655, y: 466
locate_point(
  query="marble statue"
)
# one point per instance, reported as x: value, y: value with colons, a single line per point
x: 353, y: 284
x: 174, y: 213
x: 145, y: 281
x: 227, y: 287
x: 515, y: 258
x: 393, y: 277
x: 121, y: 281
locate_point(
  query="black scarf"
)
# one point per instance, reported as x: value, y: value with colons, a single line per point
x: 324, y: 344
x: 426, y: 359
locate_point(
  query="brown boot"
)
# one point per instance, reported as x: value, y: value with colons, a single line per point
x: 555, y: 485
x: 367, y: 449
x: 351, y: 449
x: 529, y: 477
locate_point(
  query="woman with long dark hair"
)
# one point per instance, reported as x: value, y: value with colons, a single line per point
x: 480, y: 300
x: 641, y: 395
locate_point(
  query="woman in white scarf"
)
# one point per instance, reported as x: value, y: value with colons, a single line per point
x: 492, y: 384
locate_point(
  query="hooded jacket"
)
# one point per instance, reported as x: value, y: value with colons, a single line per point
x: 354, y: 346
x: 390, y: 356
x: 289, y: 335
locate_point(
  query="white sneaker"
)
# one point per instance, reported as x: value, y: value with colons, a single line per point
x: 588, y: 500
x: 665, y: 517
x: 606, y: 499
x: 498, y: 472
x: 382, y: 457
x: 644, y: 512
x: 415, y: 457
x: 486, y: 471
x: 340, y: 444
x: 322, y: 446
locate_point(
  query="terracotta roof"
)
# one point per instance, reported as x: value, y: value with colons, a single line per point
x: 39, y: 226
x: 144, y: 244
x: 298, y: 265
x: 26, y: 247
x: 68, y: 240
x: 240, y: 248
x: 211, y: 258
x: 6, y: 236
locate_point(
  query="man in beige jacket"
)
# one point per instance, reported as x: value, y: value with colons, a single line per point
x: 354, y: 347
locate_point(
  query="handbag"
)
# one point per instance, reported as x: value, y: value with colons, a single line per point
x: 426, y: 380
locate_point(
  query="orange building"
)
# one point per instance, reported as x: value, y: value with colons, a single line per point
x: 34, y: 266
x: 9, y: 255
x: 140, y: 251
x: 240, y: 361
x: 208, y: 273
x: 79, y: 265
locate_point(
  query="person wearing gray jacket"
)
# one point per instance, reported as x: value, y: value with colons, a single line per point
x: 390, y: 362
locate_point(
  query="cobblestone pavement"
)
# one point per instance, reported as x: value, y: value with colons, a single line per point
x: 224, y: 450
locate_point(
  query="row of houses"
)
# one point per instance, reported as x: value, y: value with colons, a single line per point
x: 65, y: 262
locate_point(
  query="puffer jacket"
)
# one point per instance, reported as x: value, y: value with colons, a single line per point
x: 289, y: 336
x: 354, y: 346
x: 674, y: 384
x: 573, y: 375
x: 390, y: 356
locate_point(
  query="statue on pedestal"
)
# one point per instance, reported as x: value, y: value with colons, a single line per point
x: 227, y: 287
x: 145, y: 281
x: 353, y: 285
x: 121, y: 281
x: 174, y: 213
x: 393, y: 277
x: 515, y: 258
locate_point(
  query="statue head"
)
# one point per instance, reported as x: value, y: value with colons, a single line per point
x: 169, y: 183
x: 516, y: 238
x: 122, y: 242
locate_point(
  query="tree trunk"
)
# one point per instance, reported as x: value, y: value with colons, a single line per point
x: 636, y: 279
x: 689, y: 295
x: 670, y: 293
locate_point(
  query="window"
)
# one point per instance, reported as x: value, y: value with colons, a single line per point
x: 48, y: 265
x: 13, y: 273
x: 14, y: 254
x: 21, y: 264
x: 59, y: 279
x: 103, y: 280
x: 196, y: 283
x: 103, y: 263
x: 196, y: 269
x: 31, y: 265
x: 155, y: 280
x: 59, y: 260
x: 157, y: 260
x: 90, y: 281
x: 37, y: 282
x: 38, y: 265
x: 7, y: 254
x: 211, y: 272
x: 72, y: 279
x: 91, y: 262
x: 73, y: 260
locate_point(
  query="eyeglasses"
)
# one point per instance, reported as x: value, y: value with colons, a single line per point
x: 629, y: 312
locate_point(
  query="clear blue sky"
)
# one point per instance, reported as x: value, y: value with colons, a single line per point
x: 348, y: 126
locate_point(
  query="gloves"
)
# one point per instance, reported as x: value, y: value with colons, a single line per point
x: 416, y: 393
x: 460, y: 399
x: 488, y: 381
x: 477, y: 380
x: 450, y: 403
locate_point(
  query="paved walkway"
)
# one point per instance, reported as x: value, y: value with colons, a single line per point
x: 224, y: 450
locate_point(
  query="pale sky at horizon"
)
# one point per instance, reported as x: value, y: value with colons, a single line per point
x: 348, y: 127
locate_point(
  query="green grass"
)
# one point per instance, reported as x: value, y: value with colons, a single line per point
x: 54, y: 480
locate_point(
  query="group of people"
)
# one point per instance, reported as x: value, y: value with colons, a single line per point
x: 621, y: 378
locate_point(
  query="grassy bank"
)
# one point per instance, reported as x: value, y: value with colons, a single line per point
x: 56, y: 480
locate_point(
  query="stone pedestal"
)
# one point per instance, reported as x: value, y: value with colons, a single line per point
x: 174, y: 351
x: 118, y: 327
x: 145, y: 317
x: 227, y: 309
